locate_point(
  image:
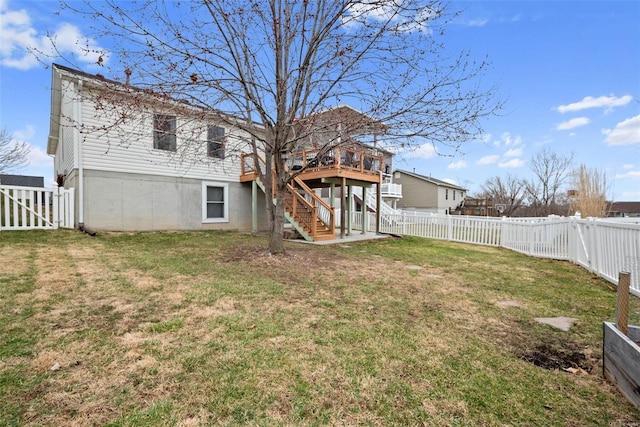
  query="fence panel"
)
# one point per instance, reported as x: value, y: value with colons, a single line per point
x: 29, y: 208
x: 603, y: 246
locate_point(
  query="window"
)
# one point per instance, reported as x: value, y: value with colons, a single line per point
x: 164, y: 132
x: 215, y: 142
x: 215, y: 202
x: 446, y: 194
x: 454, y: 194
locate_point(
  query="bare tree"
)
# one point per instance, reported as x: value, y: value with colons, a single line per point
x: 268, y: 68
x: 13, y: 153
x: 551, y: 171
x: 589, y: 192
x: 509, y: 191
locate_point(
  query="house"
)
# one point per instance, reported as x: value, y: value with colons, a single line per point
x: 427, y: 194
x: 156, y: 163
x: 22, y: 180
x: 132, y: 174
x: 623, y: 209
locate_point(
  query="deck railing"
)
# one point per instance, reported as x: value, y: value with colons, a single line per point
x: 353, y: 159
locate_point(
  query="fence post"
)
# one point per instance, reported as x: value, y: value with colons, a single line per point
x: 56, y: 207
x: 449, y: 228
x: 622, y: 302
x: 531, y: 236
x: 595, y: 246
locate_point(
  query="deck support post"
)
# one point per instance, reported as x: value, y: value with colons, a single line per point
x: 364, y: 210
x: 254, y: 206
x: 343, y: 206
x: 378, y: 203
x: 349, y: 209
x: 332, y: 195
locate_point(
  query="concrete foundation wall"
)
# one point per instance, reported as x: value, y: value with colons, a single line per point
x: 135, y: 202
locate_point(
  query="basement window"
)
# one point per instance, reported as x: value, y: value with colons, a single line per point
x: 215, y: 202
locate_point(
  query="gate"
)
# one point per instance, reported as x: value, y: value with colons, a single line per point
x: 30, y: 208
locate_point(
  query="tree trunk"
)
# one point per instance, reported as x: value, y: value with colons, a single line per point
x: 275, y: 211
x: 276, y: 243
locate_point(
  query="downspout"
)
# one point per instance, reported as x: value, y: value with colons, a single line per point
x: 79, y: 158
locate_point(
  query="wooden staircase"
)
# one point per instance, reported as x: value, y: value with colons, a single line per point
x: 311, y: 216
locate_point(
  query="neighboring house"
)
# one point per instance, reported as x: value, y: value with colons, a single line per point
x: 22, y: 180
x: 623, y: 209
x: 426, y: 194
x: 162, y: 164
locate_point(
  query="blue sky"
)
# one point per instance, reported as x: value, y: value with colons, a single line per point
x: 568, y: 71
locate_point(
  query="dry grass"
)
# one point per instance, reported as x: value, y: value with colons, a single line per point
x: 197, y: 329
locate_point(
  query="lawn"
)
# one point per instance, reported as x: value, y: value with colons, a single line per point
x: 205, y: 328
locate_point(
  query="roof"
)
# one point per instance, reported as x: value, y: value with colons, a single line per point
x: 624, y: 207
x: 431, y: 180
x: 22, y: 180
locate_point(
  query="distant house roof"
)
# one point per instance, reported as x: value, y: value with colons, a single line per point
x: 435, y: 181
x: 624, y: 207
x: 22, y: 180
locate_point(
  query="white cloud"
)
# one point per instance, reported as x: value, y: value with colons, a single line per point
x: 24, y: 135
x: 573, y: 123
x: 507, y: 139
x: 39, y: 158
x: 628, y: 175
x: 513, y: 163
x: 607, y: 102
x: 631, y: 194
x: 425, y: 151
x: 514, y: 152
x: 625, y: 133
x: 359, y: 13
x: 486, y: 138
x: 488, y: 160
x: 21, y: 46
x: 628, y: 166
x: 460, y: 164
x: 477, y: 22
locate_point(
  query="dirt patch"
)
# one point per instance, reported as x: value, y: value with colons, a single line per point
x: 560, y: 355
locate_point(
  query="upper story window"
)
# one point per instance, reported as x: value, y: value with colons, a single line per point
x: 164, y: 132
x: 446, y: 194
x: 454, y: 194
x: 215, y: 142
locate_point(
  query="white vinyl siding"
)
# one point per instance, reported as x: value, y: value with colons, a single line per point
x: 129, y: 149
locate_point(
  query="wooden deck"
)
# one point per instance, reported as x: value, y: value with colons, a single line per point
x: 353, y: 164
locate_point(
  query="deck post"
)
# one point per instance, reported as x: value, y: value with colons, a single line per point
x: 254, y: 206
x: 332, y: 195
x: 364, y: 210
x: 343, y: 206
x: 378, y: 203
x: 349, y: 209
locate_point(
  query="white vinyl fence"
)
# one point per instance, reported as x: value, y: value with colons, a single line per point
x: 603, y: 246
x: 29, y: 208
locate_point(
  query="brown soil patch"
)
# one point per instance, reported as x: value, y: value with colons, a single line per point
x: 560, y: 355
